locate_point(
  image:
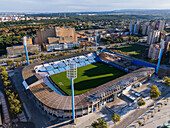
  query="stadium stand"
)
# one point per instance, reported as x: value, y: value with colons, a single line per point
x: 54, y: 102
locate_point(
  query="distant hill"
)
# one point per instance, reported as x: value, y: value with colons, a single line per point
x: 163, y: 12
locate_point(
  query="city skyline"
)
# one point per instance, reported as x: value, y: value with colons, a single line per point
x: 79, y: 6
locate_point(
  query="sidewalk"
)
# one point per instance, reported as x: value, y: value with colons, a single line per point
x: 4, y: 109
x: 159, y: 117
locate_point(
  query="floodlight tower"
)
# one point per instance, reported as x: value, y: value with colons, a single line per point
x: 25, y: 46
x: 72, y: 74
x: 96, y: 32
x: 160, y: 55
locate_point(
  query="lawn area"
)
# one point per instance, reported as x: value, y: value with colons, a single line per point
x: 88, y: 77
x: 133, y: 49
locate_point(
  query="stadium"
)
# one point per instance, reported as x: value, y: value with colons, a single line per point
x: 101, y: 78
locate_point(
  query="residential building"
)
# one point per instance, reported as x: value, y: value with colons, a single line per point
x: 161, y: 25
x: 154, y: 51
x: 153, y: 36
x: 131, y: 28
x: 167, y: 37
x: 144, y: 30
x: 148, y: 29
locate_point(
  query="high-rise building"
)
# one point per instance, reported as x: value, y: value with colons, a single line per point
x: 137, y: 28
x: 161, y: 25
x: 153, y: 36
x: 153, y: 25
x: 154, y: 51
x: 131, y: 28
x: 148, y: 30
x: 167, y: 38
x: 144, y: 30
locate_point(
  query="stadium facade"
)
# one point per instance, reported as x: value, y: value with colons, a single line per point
x: 55, y: 102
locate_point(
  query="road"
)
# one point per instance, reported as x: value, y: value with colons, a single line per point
x: 38, y: 117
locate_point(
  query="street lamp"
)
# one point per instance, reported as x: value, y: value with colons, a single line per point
x: 72, y: 74
x: 96, y: 38
x: 160, y: 55
x: 25, y: 47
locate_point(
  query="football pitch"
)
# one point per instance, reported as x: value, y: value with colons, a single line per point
x: 133, y: 49
x: 88, y: 77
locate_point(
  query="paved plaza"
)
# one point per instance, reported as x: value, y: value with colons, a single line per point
x: 128, y: 110
x: 158, y: 119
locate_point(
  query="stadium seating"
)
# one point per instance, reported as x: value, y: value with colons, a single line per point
x: 49, y: 68
x: 43, y: 69
x: 51, y: 73
x: 61, y: 65
x: 56, y: 71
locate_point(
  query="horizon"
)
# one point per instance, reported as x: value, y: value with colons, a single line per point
x: 43, y: 12
x: 56, y: 6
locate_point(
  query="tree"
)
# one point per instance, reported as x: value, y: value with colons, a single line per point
x: 15, y: 104
x: 15, y: 107
x: 167, y: 80
x: 154, y: 93
x: 4, y: 75
x: 141, y: 102
x: 108, y: 42
x: 10, y: 62
x: 2, y: 68
x: 23, y: 58
x: 103, y: 39
x: 159, y: 107
x: 100, y: 123
x: 42, y: 55
x: 8, y: 91
x: 7, y: 83
x: 140, y: 123
x: 99, y: 48
x: 152, y: 112
x: 116, y: 118
x: 167, y: 99
x: 36, y: 51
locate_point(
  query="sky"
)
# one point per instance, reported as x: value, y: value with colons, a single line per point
x: 79, y: 5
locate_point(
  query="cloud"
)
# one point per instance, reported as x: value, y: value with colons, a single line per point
x: 80, y: 5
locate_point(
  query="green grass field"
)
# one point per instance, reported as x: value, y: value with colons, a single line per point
x: 88, y: 77
x: 133, y: 49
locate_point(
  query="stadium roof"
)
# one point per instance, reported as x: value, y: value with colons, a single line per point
x: 56, y: 101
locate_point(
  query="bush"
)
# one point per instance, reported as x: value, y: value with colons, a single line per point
x: 100, y: 123
x: 141, y: 102
x: 140, y: 123
x: 2, y: 68
x: 116, y: 118
x: 167, y: 80
x: 154, y: 93
x: 4, y: 75
x: 10, y: 62
x: 7, y: 83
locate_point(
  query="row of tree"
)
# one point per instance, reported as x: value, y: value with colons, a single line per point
x: 167, y: 80
x: 151, y: 114
x: 15, y: 104
x: 100, y: 123
x: 109, y: 40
